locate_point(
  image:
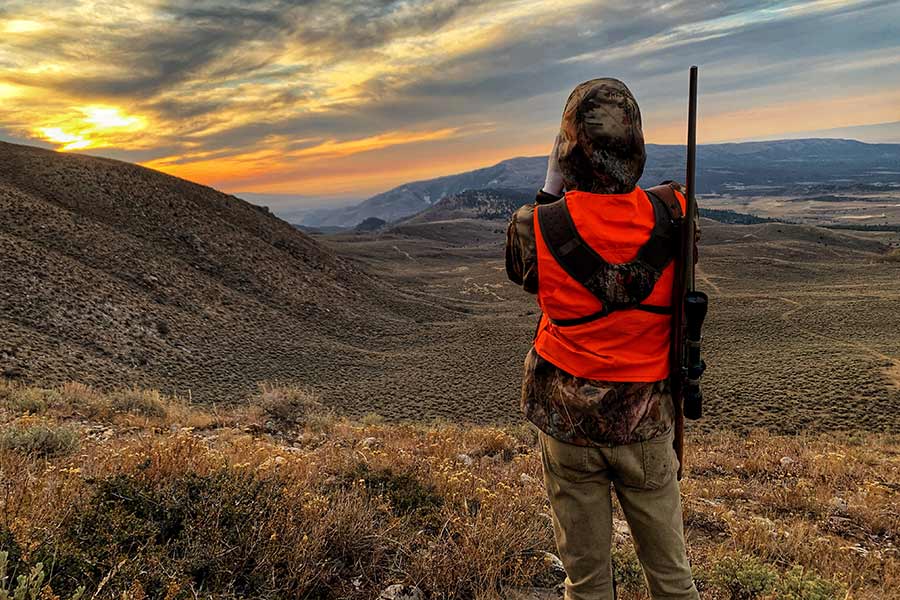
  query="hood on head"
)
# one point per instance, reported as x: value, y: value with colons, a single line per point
x: 601, y: 145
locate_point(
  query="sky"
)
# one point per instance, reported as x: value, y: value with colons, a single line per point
x: 338, y: 100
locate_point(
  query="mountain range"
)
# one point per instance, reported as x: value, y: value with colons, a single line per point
x: 749, y: 168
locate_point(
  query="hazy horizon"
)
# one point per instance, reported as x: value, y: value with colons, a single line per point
x: 343, y: 100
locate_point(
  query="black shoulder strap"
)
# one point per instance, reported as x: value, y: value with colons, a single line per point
x: 660, y: 248
x: 569, y: 249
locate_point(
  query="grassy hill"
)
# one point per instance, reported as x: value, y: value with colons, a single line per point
x: 133, y: 494
x: 112, y: 272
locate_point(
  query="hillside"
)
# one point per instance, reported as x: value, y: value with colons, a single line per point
x: 482, y: 204
x: 114, y: 273
x: 812, y: 166
x: 136, y: 495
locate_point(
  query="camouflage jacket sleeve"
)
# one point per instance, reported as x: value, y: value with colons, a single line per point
x: 521, y: 250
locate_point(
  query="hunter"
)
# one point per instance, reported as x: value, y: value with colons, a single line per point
x: 600, y: 259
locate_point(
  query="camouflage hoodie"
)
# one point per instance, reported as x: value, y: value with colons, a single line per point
x: 600, y: 150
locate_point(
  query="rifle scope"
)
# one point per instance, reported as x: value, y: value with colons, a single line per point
x: 695, y: 306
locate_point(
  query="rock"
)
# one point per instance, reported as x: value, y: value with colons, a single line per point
x: 526, y: 479
x: 765, y: 522
x: 837, y: 506
x: 370, y: 442
x: 465, y: 459
x: 621, y: 531
x: 787, y: 461
x: 553, y: 573
x: 400, y: 591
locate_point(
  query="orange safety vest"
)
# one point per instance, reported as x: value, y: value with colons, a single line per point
x: 629, y: 344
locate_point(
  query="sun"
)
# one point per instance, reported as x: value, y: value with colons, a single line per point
x: 68, y: 141
x: 109, y: 117
x: 91, y: 127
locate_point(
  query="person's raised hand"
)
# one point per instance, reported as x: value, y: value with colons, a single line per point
x: 553, y: 183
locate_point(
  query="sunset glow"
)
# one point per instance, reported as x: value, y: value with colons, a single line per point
x: 333, y: 98
x: 92, y: 127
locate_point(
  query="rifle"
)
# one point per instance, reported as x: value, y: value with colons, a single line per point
x: 689, y: 305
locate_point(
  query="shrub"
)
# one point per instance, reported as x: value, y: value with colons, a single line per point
x: 39, y: 438
x: 293, y: 406
x: 26, y: 400
x: 29, y: 585
x: 147, y: 403
x: 10, y: 548
x: 406, y: 494
x: 229, y: 533
x: 372, y: 418
x: 798, y: 584
x: 744, y: 577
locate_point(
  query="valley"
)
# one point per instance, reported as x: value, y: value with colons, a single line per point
x: 801, y: 334
x: 117, y: 276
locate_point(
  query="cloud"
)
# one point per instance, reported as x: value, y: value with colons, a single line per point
x: 276, y: 93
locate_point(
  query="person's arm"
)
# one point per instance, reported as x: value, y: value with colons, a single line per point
x: 521, y: 250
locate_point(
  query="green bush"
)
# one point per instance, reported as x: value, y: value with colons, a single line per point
x: 28, y: 586
x: 228, y: 533
x: 148, y: 403
x: 744, y: 577
x: 40, y: 439
x: 26, y: 400
x: 798, y: 584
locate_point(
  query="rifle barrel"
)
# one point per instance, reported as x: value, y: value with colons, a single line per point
x: 690, y: 180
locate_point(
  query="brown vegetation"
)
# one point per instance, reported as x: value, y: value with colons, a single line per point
x: 161, y: 499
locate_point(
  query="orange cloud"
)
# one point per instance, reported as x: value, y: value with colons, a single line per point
x: 244, y: 168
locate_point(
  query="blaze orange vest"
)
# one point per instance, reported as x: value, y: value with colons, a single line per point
x: 627, y: 345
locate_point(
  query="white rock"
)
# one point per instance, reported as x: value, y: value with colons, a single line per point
x: 465, y: 459
x: 787, y: 461
x: 526, y: 479
x: 369, y: 442
x: 838, y: 506
x: 399, y: 591
x: 555, y: 563
x: 621, y: 531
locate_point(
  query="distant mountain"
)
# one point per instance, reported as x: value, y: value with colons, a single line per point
x: 749, y: 168
x: 487, y: 205
x: 411, y: 198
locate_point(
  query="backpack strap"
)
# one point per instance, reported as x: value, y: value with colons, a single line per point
x: 666, y: 193
x: 660, y: 249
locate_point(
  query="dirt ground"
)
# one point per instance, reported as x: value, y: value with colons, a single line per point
x: 802, y: 333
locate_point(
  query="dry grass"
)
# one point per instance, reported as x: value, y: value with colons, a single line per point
x: 177, y: 501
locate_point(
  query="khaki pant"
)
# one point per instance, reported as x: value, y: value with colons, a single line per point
x: 578, y: 483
